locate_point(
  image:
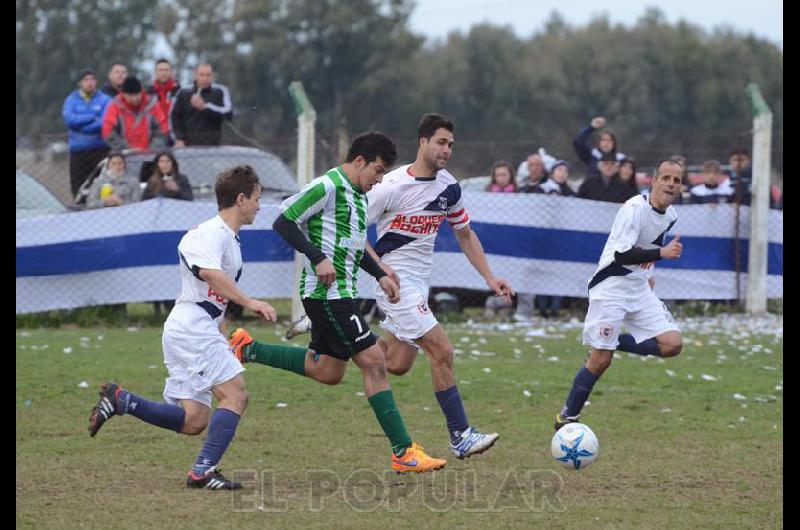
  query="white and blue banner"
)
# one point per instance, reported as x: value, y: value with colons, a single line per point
x: 543, y: 244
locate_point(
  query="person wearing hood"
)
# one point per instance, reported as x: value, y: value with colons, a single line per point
x: 134, y: 120
x: 557, y: 183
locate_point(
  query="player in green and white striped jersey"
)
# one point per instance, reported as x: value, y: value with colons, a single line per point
x: 327, y: 222
x: 332, y: 213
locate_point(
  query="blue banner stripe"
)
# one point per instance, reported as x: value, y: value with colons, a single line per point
x: 160, y: 248
x: 707, y: 253
x: 136, y: 250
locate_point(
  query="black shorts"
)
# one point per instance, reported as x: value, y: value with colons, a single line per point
x: 338, y: 328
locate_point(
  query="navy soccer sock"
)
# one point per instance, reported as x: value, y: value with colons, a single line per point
x: 221, y: 430
x: 581, y: 388
x: 453, y: 409
x: 155, y: 413
x: 646, y: 347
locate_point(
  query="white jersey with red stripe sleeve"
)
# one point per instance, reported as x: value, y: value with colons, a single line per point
x: 409, y: 211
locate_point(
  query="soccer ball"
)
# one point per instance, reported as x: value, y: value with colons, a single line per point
x: 575, y: 446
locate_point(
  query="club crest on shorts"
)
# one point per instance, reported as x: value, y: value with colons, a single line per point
x: 423, y: 307
x: 606, y: 330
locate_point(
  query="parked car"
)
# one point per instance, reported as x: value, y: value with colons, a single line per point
x: 202, y: 164
x: 34, y: 199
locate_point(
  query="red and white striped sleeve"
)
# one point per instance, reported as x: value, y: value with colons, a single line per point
x: 457, y: 215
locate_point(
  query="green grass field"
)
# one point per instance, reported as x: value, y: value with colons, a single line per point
x: 694, y: 441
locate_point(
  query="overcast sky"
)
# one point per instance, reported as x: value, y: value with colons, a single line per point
x: 436, y: 18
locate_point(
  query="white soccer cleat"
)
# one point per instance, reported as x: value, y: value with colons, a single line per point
x: 473, y: 442
x: 298, y: 327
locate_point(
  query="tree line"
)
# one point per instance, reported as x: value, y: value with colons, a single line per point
x: 665, y: 88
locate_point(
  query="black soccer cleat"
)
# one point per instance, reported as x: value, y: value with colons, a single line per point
x: 212, y: 480
x: 563, y: 420
x: 106, y: 407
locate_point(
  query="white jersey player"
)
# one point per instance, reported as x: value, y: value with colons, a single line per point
x: 620, y: 290
x: 197, y: 355
x: 410, y: 205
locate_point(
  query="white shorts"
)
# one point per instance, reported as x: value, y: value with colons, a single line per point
x: 197, y: 355
x: 410, y: 318
x: 644, y: 317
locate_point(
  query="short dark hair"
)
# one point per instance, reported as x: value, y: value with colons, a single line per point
x: 430, y: 123
x: 711, y: 166
x: 236, y: 180
x: 372, y: 145
x: 740, y: 151
x: 115, y: 63
x: 116, y: 154
x: 163, y: 60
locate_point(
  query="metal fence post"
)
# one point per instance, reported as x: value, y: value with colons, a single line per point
x: 759, y: 207
x: 306, y: 119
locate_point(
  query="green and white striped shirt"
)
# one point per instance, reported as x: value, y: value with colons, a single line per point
x: 332, y: 212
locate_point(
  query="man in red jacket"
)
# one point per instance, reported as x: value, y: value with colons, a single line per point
x: 164, y: 86
x: 133, y: 120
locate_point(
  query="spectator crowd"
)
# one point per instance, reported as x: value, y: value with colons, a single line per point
x: 611, y: 176
x: 124, y: 116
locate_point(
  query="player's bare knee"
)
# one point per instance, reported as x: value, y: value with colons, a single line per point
x: 603, y: 364
x: 396, y: 364
x: 672, y: 349
x: 599, y: 362
x: 374, y: 369
x: 194, y: 424
x: 670, y: 344
x: 397, y: 368
x: 193, y: 429
x: 236, y: 402
x: 331, y: 378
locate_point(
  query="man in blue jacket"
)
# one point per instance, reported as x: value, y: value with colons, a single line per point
x: 83, y: 113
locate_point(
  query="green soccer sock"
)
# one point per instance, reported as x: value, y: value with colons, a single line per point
x: 391, y: 421
x: 291, y: 358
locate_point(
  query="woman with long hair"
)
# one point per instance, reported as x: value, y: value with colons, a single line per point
x: 166, y: 180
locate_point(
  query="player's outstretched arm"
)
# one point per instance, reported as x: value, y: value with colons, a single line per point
x: 472, y: 248
x: 226, y: 288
